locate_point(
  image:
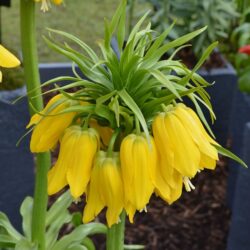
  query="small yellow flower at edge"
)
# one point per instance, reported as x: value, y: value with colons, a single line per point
x: 7, y: 60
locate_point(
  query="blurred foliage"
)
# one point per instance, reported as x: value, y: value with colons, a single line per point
x: 82, y: 18
x: 217, y: 15
x: 239, y: 37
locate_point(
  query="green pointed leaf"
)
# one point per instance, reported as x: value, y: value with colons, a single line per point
x: 7, y: 241
x: 24, y: 244
x: 5, y: 223
x: 159, y: 40
x: 137, y: 27
x: 88, y: 243
x: 61, y: 204
x: 115, y: 107
x: 135, y: 109
x: 133, y: 247
x: 164, y: 80
x: 78, y: 235
x: 83, y: 45
x: 104, y: 112
x: 77, y: 247
x: 205, y: 55
x: 230, y: 155
x: 105, y: 98
x: 121, y: 30
x: 26, y: 212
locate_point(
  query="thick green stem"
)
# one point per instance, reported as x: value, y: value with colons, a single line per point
x: 31, y: 71
x: 115, y: 235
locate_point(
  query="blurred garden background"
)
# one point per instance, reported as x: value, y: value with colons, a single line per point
x: 200, y: 220
x: 82, y: 18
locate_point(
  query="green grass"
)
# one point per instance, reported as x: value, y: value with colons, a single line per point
x: 83, y: 18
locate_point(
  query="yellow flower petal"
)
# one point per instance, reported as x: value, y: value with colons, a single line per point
x: 106, y: 189
x: 136, y: 162
x: 186, y: 153
x: 50, y: 127
x: 81, y: 160
x: 7, y: 59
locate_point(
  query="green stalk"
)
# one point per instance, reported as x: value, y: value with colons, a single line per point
x: 30, y: 61
x: 115, y: 235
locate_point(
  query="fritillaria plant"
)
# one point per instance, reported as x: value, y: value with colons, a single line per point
x: 123, y: 129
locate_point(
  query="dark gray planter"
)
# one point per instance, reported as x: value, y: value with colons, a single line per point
x: 240, y: 116
x: 222, y: 94
x: 52, y: 70
x: 16, y: 164
x: 238, y: 238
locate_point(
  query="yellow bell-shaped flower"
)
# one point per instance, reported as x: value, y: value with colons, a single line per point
x: 105, y: 189
x: 73, y: 167
x: 138, y: 163
x: 50, y: 126
x: 7, y: 60
x: 183, y: 143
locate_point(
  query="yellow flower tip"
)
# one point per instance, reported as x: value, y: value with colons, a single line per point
x: 51, y: 125
x: 34, y: 120
x: 130, y: 210
x: 7, y: 59
x: 137, y: 163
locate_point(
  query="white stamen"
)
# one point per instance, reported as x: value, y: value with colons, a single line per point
x: 45, y: 6
x: 188, y: 184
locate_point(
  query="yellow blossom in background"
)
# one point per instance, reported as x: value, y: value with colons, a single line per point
x: 46, y: 3
x: 105, y: 189
x: 73, y: 167
x: 49, y: 124
x: 104, y: 132
x: 138, y: 163
x: 7, y: 60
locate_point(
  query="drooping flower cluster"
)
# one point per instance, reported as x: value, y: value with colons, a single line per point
x: 7, y: 60
x: 177, y: 150
x: 124, y: 134
x: 46, y: 3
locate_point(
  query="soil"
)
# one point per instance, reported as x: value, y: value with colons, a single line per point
x: 187, y: 57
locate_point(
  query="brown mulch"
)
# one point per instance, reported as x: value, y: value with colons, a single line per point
x: 188, y: 58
